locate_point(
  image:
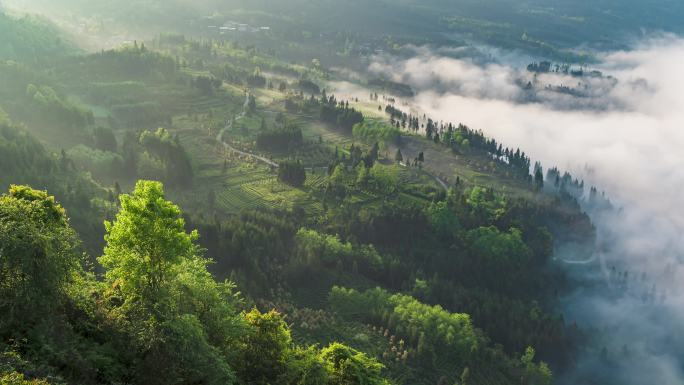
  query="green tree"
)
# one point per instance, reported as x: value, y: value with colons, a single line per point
x: 145, y: 245
x: 539, y: 179
x: 442, y: 219
x: 306, y: 367
x: 15, y: 378
x: 314, y: 247
x: 351, y: 367
x: 373, y: 153
x: 104, y: 139
x: 181, y: 353
x: 385, y: 179
x: 38, y: 261
x: 169, y: 151
x: 535, y: 374
x: 507, y: 250
x: 292, y: 173
x: 265, y: 348
x: 184, y: 325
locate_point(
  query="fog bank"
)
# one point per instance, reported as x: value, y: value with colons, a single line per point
x: 624, y: 133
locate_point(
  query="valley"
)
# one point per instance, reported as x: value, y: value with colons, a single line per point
x: 303, y: 193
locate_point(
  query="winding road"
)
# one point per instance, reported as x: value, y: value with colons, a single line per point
x: 219, y: 137
x: 440, y: 181
x: 245, y: 106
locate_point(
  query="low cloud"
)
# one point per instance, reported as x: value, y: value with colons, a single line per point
x: 625, y: 134
x: 443, y: 74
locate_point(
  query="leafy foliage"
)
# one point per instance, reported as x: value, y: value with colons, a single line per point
x: 292, y: 173
x: 155, y: 314
x: 145, y: 244
x: 127, y: 63
x: 25, y: 160
x: 48, y: 103
x: 280, y: 139
x: 100, y: 163
x: 431, y: 328
x: 168, y: 150
x: 352, y: 367
x: 338, y: 114
x: 265, y: 348
x: 372, y: 132
x: 37, y: 258
x: 30, y: 38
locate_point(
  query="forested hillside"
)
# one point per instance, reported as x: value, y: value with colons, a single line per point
x: 184, y: 210
x: 540, y: 27
x: 30, y: 39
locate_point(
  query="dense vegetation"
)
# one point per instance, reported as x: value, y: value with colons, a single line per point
x: 30, y: 39
x: 377, y: 132
x: 311, y: 249
x: 338, y: 113
x: 540, y: 26
x: 158, y: 317
x: 25, y: 160
x: 292, y: 173
x: 280, y: 138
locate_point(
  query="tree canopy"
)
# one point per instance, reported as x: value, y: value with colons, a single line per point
x: 38, y: 260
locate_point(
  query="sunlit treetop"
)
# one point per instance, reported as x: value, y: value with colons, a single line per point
x: 146, y: 242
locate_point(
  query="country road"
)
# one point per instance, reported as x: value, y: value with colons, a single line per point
x: 219, y: 137
x: 440, y: 181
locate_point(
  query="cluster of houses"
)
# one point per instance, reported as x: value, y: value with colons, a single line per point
x: 233, y: 26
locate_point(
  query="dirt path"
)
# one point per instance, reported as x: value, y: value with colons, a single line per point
x: 219, y: 137
x: 440, y: 181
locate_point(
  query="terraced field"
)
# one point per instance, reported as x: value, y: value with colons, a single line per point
x: 313, y: 130
x: 472, y: 170
x: 198, y: 104
x: 242, y: 182
x: 315, y: 180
